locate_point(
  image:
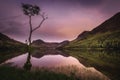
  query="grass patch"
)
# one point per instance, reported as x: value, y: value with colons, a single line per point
x: 11, y: 51
x: 99, y: 40
x: 11, y: 73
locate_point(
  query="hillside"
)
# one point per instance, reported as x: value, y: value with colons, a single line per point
x: 48, y: 45
x: 6, y: 43
x: 44, y: 45
x: 111, y: 24
x: 105, y: 35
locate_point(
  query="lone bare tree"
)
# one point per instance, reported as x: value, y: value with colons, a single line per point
x: 30, y: 11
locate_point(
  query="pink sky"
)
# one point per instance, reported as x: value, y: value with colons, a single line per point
x: 66, y: 18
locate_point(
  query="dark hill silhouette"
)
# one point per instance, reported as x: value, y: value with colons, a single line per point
x: 6, y: 43
x: 49, y: 45
x: 46, y: 45
x: 83, y: 35
x: 38, y: 42
x: 111, y: 24
x: 106, y: 35
x: 4, y: 37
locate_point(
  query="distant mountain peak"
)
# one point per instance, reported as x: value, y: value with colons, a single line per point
x: 39, y: 41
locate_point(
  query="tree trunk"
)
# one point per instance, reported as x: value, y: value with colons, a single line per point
x: 30, y: 34
x: 27, y: 65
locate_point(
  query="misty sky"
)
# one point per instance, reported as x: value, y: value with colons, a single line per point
x: 66, y: 18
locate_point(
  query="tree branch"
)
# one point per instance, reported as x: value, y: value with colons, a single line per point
x: 30, y: 23
x: 43, y: 19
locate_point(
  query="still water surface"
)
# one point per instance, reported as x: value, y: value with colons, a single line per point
x: 58, y: 63
x: 45, y: 61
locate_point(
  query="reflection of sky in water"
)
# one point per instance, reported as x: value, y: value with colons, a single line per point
x: 54, y: 60
x: 45, y: 61
x: 58, y: 63
x: 18, y: 61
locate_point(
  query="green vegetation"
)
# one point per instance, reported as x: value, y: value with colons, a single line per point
x: 11, y: 73
x: 108, y: 62
x: 8, y: 44
x: 107, y: 40
x: 9, y: 49
x: 6, y: 55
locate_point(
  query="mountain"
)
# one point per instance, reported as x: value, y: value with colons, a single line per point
x: 49, y: 45
x: 62, y: 44
x: 66, y: 42
x: 44, y: 45
x: 38, y: 42
x: 4, y: 37
x: 106, y: 35
x: 6, y: 43
x: 83, y: 35
x: 111, y: 24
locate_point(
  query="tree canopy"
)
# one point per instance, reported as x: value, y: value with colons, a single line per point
x: 30, y: 10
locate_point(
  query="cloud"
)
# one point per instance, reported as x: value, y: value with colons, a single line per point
x: 12, y: 28
x: 90, y: 3
x: 49, y: 32
x: 110, y: 7
x: 67, y: 18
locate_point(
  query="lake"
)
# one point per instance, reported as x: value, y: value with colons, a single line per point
x: 58, y: 63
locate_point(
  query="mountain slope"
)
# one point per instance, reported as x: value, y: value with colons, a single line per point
x: 111, y: 24
x: 44, y: 45
x: 7, y: 43
x: 105, y: 35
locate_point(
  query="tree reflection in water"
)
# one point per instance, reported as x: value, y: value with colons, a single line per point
x: 27, y: 66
